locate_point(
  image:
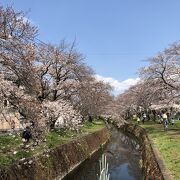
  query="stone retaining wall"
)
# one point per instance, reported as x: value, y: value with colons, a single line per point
x: 152, y: 165
x: 58, y: 162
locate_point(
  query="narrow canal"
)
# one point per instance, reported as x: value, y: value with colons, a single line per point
x: 123, y: 157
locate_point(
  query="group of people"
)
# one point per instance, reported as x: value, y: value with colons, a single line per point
x: 164, y: 117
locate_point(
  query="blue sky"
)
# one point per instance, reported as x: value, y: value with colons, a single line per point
x: 116, y: 36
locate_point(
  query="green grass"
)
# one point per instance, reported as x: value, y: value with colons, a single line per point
x: 92, y: 127
x: 8, y: 145
x: 11, y: 145
x: 168, y: 144
x: 58, y: 137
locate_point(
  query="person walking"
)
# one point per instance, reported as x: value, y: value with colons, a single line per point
x: 144, y: 118
x: 138, y: 120
x: 165, y: 120
x: 172, y: 116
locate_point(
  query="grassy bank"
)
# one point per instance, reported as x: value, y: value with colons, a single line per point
x: 11, y: 145
x: 168, y: 144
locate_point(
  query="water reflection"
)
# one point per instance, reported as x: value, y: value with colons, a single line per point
x: 121, y: 172
x: 123, y: 158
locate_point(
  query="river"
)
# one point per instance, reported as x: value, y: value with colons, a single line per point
x: 123, y: 157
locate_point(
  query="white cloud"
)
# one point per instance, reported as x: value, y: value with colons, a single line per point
x: 118, y: 86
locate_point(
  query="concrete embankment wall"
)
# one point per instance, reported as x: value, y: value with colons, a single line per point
x: 153, y: 166
x: 59, y: 161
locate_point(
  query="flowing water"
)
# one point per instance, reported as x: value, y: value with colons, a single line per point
x: 123, y: 157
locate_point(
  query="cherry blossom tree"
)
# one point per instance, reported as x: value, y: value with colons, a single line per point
x: 164, y: 69
x: 45, y: 83
x: 160, y: 84
x: 61, y: 114
x: 93, y: 97
x: 60, y: 70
